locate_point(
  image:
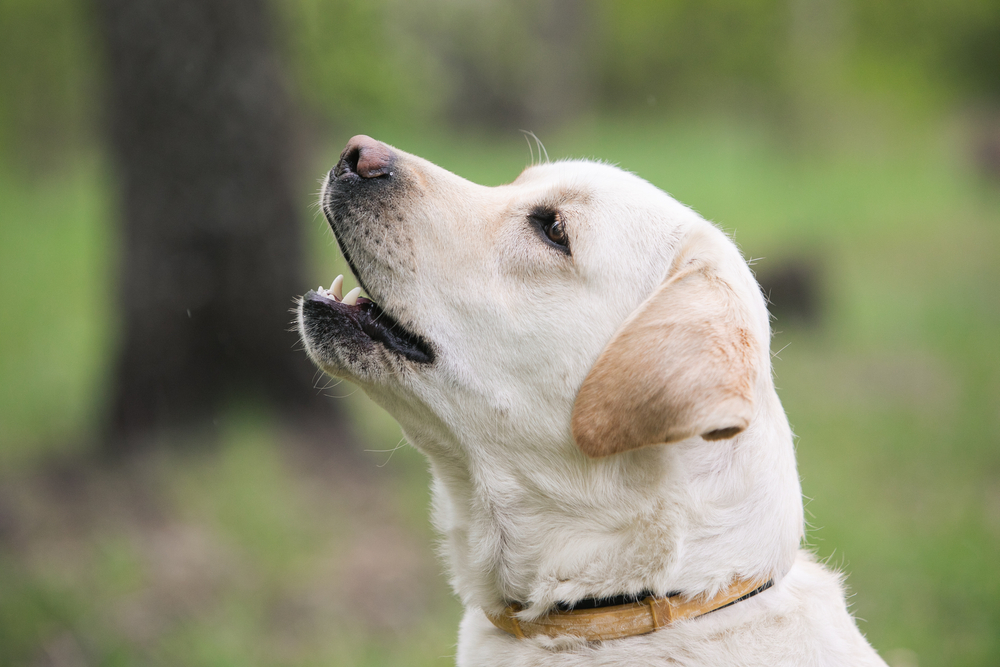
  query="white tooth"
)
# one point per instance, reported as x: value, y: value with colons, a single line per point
x: 338, y: 287
x: 352, y: 296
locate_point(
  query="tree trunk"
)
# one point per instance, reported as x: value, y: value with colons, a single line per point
x: 200, y: 125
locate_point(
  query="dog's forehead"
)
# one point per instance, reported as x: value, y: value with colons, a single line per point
x: 578, y: 178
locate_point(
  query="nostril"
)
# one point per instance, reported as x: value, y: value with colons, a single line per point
x: 365, y: 157
x: 348, y: 162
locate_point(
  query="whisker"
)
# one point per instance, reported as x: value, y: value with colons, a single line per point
x: 399, y: 445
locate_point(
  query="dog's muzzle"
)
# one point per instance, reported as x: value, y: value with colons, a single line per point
x: 356, y: 197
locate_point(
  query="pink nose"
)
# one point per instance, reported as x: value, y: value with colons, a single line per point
x: 364, y: 157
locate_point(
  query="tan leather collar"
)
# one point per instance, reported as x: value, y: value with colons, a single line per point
x: 625, y: 620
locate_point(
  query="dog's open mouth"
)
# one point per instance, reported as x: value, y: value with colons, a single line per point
x: 366, y: 316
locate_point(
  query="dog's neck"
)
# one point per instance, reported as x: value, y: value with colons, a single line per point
x: 550, y: 525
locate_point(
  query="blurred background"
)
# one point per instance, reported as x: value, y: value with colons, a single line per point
x: 179, y: 487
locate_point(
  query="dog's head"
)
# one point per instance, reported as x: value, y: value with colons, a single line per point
x: 579, y: 304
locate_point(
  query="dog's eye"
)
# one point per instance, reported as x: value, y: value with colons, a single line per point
x: 551, y: 225
x: 557, y: 232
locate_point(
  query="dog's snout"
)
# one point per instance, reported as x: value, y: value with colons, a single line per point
x: 364, y: 157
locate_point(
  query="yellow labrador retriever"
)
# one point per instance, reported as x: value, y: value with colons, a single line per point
x: 585, y: 362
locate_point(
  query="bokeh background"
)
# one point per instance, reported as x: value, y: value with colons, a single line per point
x: 178, y: 487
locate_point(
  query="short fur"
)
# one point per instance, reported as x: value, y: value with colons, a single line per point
x: 556, y: 378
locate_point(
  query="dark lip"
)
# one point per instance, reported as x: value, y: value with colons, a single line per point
x: 370, y: 320
x: 367, y: 316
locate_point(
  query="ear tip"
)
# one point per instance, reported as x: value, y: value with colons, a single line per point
x: 729, y: 426
x: 730, y: 419
x: 723, y: 433
x: 597, y: 442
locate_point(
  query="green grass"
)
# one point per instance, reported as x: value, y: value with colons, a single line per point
x: 894, y: 398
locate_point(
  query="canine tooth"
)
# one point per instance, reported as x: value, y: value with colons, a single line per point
x: 352, y: 296
x: 337, y: 287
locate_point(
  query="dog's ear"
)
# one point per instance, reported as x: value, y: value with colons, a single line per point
x: 683, y: 364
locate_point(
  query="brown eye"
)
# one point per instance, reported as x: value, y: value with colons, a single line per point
x: 557, y: 231
x: 551, y: 225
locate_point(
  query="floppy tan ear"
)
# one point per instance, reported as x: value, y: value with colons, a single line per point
x: 683, y: 364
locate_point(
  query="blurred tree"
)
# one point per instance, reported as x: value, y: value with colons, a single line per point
x: 201, y: 129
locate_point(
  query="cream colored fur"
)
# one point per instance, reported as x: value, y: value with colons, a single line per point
x: 655, y: 320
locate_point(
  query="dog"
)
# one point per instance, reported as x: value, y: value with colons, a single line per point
x: 585, y: 363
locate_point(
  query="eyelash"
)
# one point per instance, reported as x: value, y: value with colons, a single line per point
x: 552, y: 227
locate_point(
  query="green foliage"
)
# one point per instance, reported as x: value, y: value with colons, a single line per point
x: 669, y: 51
x: 536, y: 64
x: 47, y: 80
x: 350, y: 66
x: 57, y: 256
x: 955, y: 44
